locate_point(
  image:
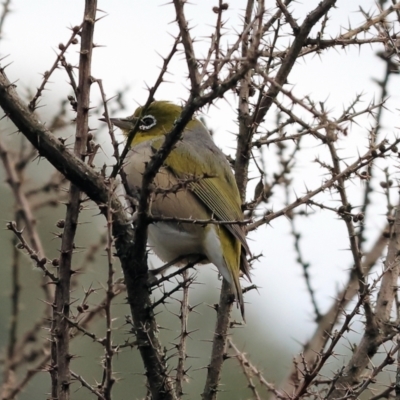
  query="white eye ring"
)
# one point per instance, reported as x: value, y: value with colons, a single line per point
x: 148, y: 121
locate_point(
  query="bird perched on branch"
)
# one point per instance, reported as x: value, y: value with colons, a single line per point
x: 196, y: 183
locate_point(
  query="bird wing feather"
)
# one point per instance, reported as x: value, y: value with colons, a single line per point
x: 216, y: 186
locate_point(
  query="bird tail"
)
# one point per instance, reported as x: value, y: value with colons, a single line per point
x: 239, y: 295
x: 229, y: 263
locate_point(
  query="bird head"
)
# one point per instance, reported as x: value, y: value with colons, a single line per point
x: 157, y: 120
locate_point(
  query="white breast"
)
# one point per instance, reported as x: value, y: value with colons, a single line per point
x: 170, y: 241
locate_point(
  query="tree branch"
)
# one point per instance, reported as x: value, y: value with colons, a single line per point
x: 378, y: 327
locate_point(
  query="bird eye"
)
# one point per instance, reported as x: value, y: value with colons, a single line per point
x: 148, y: 121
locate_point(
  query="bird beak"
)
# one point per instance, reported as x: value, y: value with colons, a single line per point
x: 122, y: 123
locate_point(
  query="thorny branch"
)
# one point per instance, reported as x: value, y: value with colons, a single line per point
x: 184, y: 334
x: 23, y: 245
x: 257, y: 61
x: 47, y: 74
x: 377, y: 325
x: 60, y: 373
x: 109, y: 352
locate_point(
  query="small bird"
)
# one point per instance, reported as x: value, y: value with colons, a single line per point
x: 208, y: 190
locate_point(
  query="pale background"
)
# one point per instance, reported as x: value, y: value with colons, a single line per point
x: 133, y: 34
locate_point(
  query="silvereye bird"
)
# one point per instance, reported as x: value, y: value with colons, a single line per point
x: 210, y: 192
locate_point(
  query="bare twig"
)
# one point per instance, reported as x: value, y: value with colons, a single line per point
x: 30, y: 373
x: 388, y: 360
x: 288, y: 17
x: 24, y: 209
x: 305, y: 266
x: 323, y: 332
x: 397, y: 384
x: 59, y: 372
x: 374, y: 135
x: 108, y: 379
x: 23, y: 245
x: 312, y: 371
x: 204, y: 222
x: 246, y: 364
x: 69, y: 70
x: 371, y: 22
x: 247, y: 369
x: 312, y: 18
x: 181, y: 346
x: 188, y: 46
x: 85, y: 384
x: 352, y: 168
x: 46, y: 76
x: 376, y: 325
x: 9, y: 375
x: 158, y: 282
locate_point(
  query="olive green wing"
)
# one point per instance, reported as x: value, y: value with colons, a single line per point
x: 198, y: 157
